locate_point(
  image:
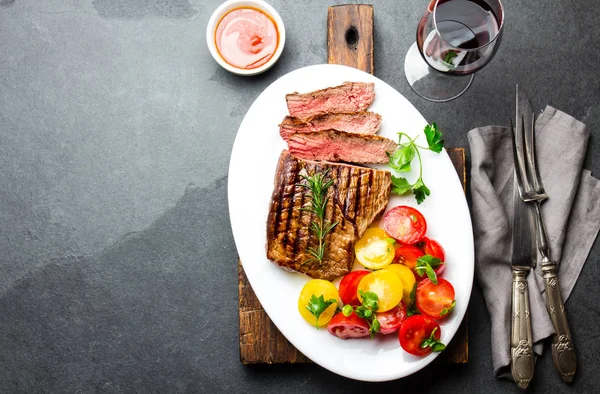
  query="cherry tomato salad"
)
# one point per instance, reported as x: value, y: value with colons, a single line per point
x: 399, y: 291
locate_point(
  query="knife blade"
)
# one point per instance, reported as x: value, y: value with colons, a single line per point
x: 521, y: 343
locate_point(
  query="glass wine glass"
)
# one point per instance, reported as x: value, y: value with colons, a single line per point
x: 455, y: 38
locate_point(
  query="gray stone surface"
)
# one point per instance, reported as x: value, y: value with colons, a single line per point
x: 117, y: 263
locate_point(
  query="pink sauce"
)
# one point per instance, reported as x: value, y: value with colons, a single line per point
x: 246, y: 38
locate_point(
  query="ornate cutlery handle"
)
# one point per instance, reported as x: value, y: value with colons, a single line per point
x: 563, y: 351
x: 521, y: 342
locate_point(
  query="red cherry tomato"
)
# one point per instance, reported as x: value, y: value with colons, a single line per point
x: 391, y: 320
x: 405, y: 224
x: 435, y: 301
x: 348, y: 327
x: 414, y: 331
x: 408, y: 255
x: 433, y: 248
x: 349, y: 287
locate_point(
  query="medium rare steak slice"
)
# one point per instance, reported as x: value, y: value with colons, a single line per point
x: 346, y: 98
x: 357, y: 196
x: 333, y: 145
x: 358, y: 123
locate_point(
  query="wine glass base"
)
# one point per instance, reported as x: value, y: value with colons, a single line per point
x: 430, y: 84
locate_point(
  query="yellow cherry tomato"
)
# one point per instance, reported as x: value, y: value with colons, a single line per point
x: 406, y: 277
x: 373, y: 250
x: 386, y: 284
x: 317, y: 288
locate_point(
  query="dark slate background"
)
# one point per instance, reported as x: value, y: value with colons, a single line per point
x: 117, y: 263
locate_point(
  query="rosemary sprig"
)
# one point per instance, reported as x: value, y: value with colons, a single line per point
x: 317, y: 187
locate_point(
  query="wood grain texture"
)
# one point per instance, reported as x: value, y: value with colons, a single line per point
x: 457, y: 351
x: 262, y: 343
x: 350, y: 36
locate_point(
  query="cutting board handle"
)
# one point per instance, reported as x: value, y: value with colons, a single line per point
x: 350, y: 36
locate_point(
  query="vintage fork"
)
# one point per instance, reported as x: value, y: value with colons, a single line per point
x: 532, y: 190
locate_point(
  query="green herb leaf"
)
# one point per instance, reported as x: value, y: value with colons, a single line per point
x: 370, y: 303
x: 426, y: 265
x: 425, y: 268
x: 411, y: 309
x: 449, y: 56
x: 434, y: 137
x: 420, y: 191
x: 360, y: 311
x: 400, y: 160
x: 391, y: 241
x: 433, y: 343
x: 445, y: 311
x: 400, y: 185
x: 317, y: 305
x: 370, y: 300
x: 434, y: 262
x: 374, y: 327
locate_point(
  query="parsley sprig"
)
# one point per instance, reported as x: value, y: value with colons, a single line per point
x: 411, y: 308
x: 449, y: 57
x: 445, y: 311
x: 433, y: 343
x: 317, y: 305
x: 401, y: 159
x: 317, y: 186
x: 426, y: 265
x: 370, y: 305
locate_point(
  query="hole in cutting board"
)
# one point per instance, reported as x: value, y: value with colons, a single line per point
x: 352, y: 37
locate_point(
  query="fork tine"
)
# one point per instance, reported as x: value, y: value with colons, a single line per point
x: 536, y: 180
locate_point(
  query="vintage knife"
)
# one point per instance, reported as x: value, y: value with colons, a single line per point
x: 521, y: 339
x: 563, y: 350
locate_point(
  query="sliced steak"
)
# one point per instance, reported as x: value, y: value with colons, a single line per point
x: 358, y: 123
x: 333, y: 145
x: 357, y: 197
x: 347, y: 98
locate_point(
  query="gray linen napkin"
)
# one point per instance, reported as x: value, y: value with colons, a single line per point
x: 571, y: 215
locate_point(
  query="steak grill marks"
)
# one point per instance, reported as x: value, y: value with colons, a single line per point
x: 356, y: 197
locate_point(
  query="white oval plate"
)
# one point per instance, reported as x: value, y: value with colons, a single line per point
x: 251, y: 172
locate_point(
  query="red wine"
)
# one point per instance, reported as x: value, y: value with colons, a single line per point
x: 460, y: 36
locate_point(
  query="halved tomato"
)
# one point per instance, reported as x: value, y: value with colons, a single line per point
x: 391, y: 320
x: 416, y: 335
x: 374, y: 250
x: 348, y: 326
x: 386, y: 284
x: 318, y: 288
x: 433, y: 248
x: 405, y: 224
x: 408, y: 255
x: 435, y: 301
x: 349, y: 287
x: 407, y: 277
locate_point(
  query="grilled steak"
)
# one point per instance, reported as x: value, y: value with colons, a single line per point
x: 347, y: 98
x: 358, y: 123
x: 333, y: 145
x: 357, y: 196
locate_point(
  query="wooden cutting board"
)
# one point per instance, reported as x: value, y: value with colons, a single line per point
x: 349, y: 42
